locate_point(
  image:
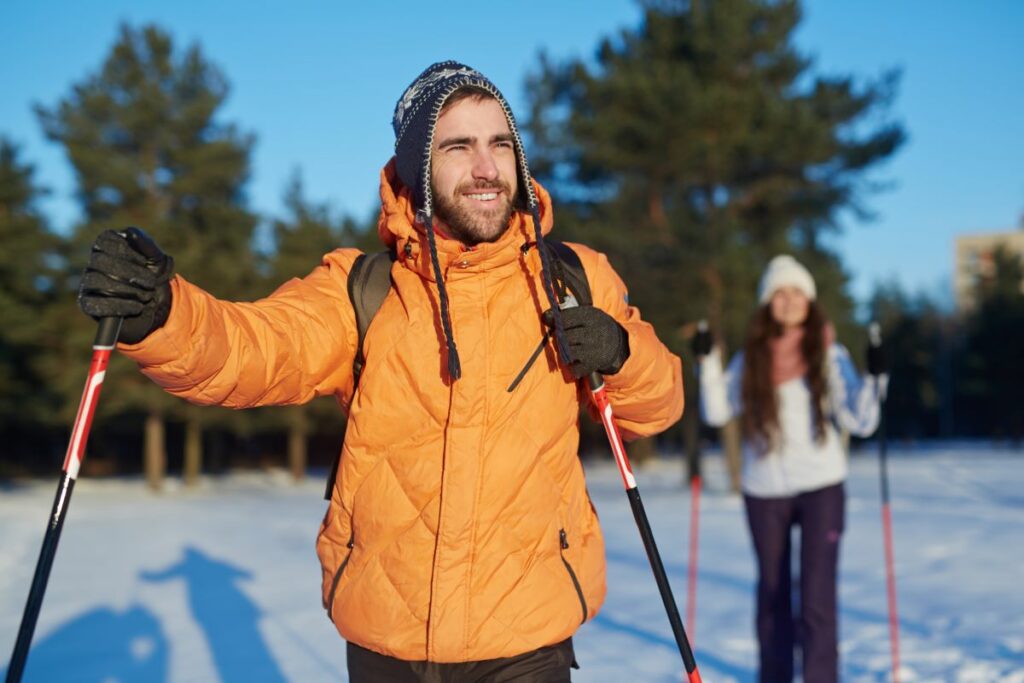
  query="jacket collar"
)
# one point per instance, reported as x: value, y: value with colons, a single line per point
x: 398, y: 229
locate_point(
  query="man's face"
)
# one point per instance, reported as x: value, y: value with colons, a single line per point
x: 473, y: 172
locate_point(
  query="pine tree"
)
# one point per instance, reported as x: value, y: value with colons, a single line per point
x: 307, y: 233
x: 29, y: 281
x: 301, y: 238
x: 147, y: 150
x: 989, y: 370
x: 918, y: 340
x: 698, y: 145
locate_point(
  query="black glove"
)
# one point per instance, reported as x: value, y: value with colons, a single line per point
x: 597, y: 343
x: 878, y: 359
x: 127, y: 277
x: 701, y: 342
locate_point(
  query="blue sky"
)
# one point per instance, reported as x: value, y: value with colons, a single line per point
x: 317, y: 81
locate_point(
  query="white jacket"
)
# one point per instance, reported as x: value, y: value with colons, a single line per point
x: 796, y: 462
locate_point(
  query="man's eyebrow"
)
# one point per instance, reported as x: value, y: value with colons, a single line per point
x: 469, y: 140
x: 448, y: 142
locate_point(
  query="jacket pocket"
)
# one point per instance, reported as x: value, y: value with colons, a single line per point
x: 563, y: 543
x: 337, y: 576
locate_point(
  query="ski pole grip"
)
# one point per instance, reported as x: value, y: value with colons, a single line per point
x: 875, y: 334
x: 107, y: 331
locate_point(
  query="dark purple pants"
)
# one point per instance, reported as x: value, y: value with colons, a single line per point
x: 819, y: 514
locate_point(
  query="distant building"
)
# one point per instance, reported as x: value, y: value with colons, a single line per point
x: 974, y: 261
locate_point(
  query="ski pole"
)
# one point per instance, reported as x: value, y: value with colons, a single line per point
x: 875, y: 339
x: 691, y: 574
x: 600, y: 396
x: 695, y: 489
x: 103, y: 345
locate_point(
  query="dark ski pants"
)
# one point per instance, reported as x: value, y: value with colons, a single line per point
x: 819, y: 514
x: 549, y: 664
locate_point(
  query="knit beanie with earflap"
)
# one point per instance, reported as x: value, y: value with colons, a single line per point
x: 414, y: 121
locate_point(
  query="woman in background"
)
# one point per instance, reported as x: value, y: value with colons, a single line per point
x: 794, y: 388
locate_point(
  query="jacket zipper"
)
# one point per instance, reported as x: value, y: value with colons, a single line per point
x: 337, y: 575
x: 564, y: 545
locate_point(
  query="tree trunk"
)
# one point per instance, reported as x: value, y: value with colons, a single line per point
x: 691, y: 443
x: 691, y: 421
x: 193, y: 464
x: 298, y: 429
x: 155, y: 451
x: 732, y: 451
x: 642, y: 450
x: 656, y: 211
x: 713, y: 279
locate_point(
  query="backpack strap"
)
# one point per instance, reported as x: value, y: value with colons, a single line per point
x: 569, y: 278
x: 369, y: 282
x: 570, y: 272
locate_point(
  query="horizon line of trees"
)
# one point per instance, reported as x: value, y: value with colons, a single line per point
x: 691, y: 149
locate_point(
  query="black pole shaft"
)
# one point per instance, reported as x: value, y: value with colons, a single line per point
x: 883, y: 448
x: 661, y: 578
x: 39, y: 581
x: 691, y: 429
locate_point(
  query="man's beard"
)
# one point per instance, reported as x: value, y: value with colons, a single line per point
x: 473, y: 226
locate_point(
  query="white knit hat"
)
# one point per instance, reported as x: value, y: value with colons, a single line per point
x: 785, y: 271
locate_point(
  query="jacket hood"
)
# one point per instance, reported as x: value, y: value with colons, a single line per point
x: 398, y: 229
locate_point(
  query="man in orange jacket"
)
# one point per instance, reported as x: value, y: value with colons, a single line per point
x: 460, y: 542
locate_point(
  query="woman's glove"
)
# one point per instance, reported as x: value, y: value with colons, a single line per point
x: 877, y: 357
x: 701, y: 342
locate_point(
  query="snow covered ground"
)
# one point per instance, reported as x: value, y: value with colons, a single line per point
x: 221, y: 583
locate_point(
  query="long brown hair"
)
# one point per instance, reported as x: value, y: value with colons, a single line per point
x: 760, y: 404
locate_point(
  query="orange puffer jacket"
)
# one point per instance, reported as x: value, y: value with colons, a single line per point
x: 460, y: 527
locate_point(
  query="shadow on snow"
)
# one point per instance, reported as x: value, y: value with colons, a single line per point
x: 131, y: 647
